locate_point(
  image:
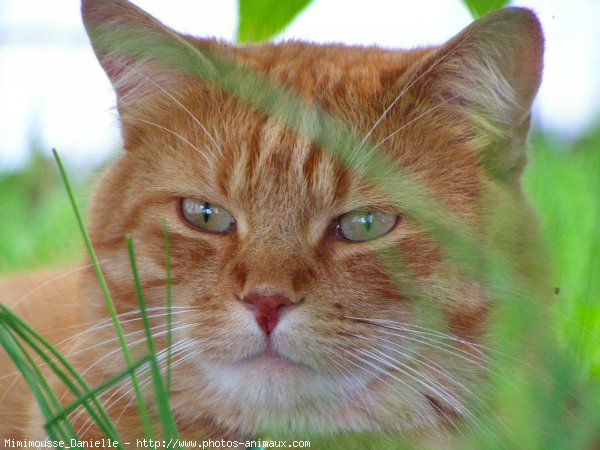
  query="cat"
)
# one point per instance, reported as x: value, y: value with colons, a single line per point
x: 288, y: 313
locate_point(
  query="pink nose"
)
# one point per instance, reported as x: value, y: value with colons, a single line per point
x: 267, y: 308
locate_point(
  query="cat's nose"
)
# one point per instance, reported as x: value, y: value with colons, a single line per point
x: 267, y: 308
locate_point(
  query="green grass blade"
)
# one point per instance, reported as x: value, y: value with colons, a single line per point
x: 29, y: 335
x: 70, y: 430
x: 149, y: 340
x: 10, y: 344
x: 169, y: 305
x: 140, y: 297
x: 162, y: 396
x: 66, y: 410
x: 103, y: 286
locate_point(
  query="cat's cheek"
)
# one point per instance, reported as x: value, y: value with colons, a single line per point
x: 189, y: 254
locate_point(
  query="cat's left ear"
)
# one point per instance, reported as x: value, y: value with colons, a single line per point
x: 142, y: 57
x: 492, y: 69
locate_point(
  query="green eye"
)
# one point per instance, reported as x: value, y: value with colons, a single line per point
x: 364, y: 225
x: 207, y: 216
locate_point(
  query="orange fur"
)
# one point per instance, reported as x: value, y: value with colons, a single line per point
x: 459, y: 126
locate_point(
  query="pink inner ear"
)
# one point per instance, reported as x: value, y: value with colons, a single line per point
x: 115, y: 68
x: 103, y: 16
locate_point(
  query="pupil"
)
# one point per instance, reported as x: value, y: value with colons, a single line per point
x: 368, y: 220
x: 207, y: 212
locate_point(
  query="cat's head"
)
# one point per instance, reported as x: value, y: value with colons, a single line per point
x: 315, y: 301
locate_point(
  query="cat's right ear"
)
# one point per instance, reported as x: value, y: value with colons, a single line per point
x: 491, y: 71
x: 139, y: 54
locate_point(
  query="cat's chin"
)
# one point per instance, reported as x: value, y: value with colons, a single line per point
x: 267, y: 392
x: 263, y: 370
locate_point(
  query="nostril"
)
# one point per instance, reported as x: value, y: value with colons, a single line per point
x: 267, y: 308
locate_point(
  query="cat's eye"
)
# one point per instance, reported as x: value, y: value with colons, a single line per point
x: 365, y: 225
x: 207, y: 216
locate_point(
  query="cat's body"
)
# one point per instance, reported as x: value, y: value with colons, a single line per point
x: 279, y: 319
x: 34, y: 297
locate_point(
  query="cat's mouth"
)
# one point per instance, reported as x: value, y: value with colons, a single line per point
x: 267, y: 356
x: 269, y: 359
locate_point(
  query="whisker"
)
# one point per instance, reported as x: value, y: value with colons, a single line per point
x: 480, y: 404
x: 426, y: 331
x: 133, y: 343
x: 439, y: 390
x: 379, y: 370
x: 487, y: 363
x: 419, y: 380
x: 422, y: 379
x: 150, y: 378
x: 182, y: 106
x: 430, y: 110
x: 419, y: 360
x: 161, y: 356
x: 42, y: 365
x: 109, y: 322
x: 161, y: 333
x: 346, y: 372
x: 470, y: 358
x: 53, y: 280
x: 409, y: 85
x: 101, y: 343
x: 118, y: 349
x: 102, y: 324
x: 148, y: 122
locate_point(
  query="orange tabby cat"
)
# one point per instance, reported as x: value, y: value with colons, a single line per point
x: 287, y: 317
